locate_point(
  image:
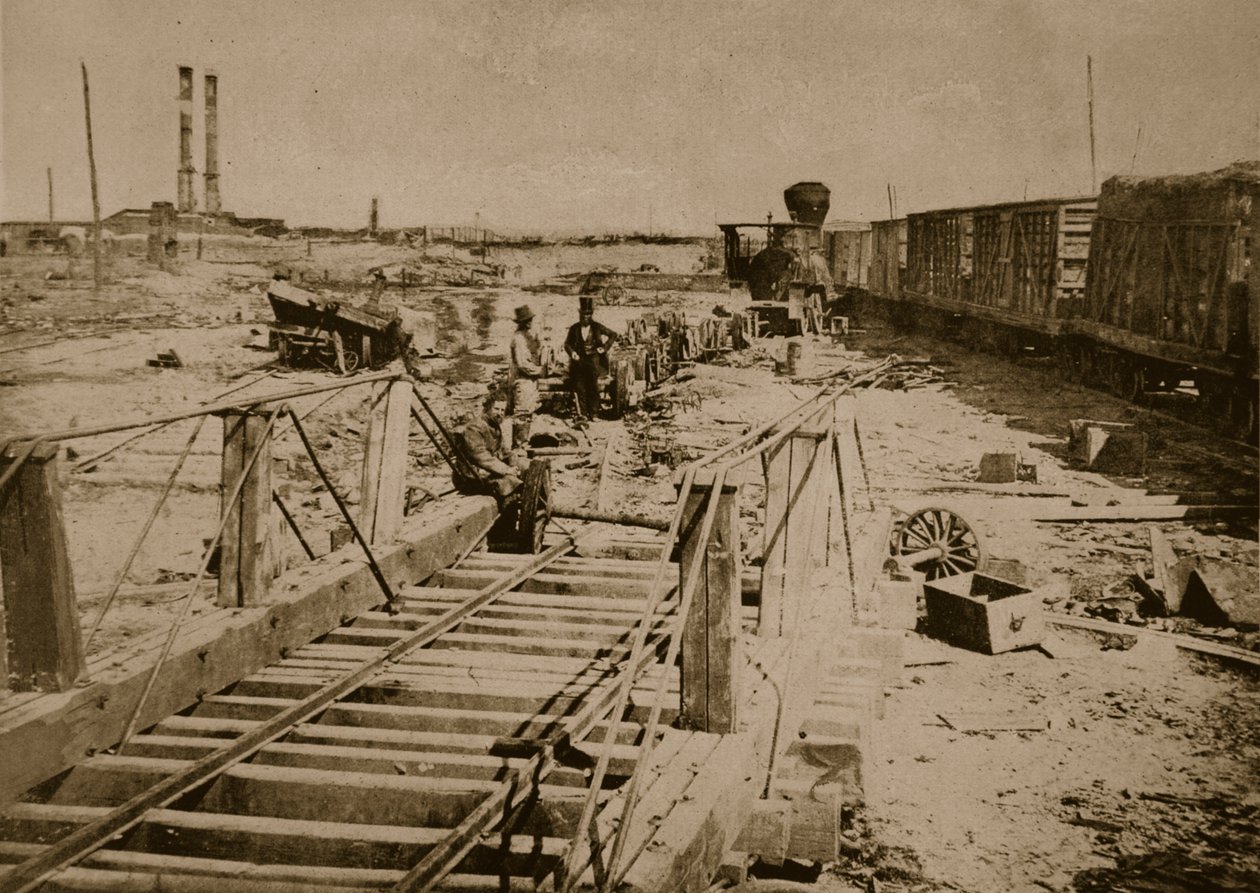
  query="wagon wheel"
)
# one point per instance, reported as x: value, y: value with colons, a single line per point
x: 613, y: 294
x: 534, y: 509
x: 938, y: 542
x: 350, y: 359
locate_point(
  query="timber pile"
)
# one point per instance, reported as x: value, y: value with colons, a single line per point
x: 901, y: 374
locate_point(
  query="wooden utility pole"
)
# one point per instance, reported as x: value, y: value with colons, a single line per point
x: 96, y: 201
x: 51, y: 217
x: 1089, y: 86
x: 891, y: 213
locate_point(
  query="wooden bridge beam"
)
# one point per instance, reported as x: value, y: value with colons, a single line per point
x: 40, y: 619
x: 796, y: 476
x: 711, y: 633
x: 383, y: 486
x: 246, y: 551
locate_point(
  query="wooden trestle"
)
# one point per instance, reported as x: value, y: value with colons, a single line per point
x: 358, y: 794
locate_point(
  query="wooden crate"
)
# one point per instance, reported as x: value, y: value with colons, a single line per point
x: 983, y: 613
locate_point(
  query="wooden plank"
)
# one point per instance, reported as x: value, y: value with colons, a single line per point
x: 410, y: 763
x: 224, y: 871
x: 246, y: 565
x: 94, y: 880
x: 588, y: 585
x: 673, y: 777
x: 778, y: 467
x: 690, y: 842
x: 711, y: 639
x: 279, y: 839
x: 664, y: 754
x: 383, y: 485
x: 1187, y: 643
x: 622, y: 570
x: 321, y: 795
x: 110, y: 780
x: 42, y: 647
x: 1163, y: 559
x: 994, y: 722
x: 531, y: 646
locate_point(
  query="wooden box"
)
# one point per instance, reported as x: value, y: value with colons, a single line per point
x: 983, y: 613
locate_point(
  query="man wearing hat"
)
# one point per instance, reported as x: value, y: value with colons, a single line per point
x: 524, y: 370
x: 587, y: 346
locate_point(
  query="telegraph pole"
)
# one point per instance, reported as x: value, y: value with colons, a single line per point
x: 96, y: 202
x: 1089, y: 85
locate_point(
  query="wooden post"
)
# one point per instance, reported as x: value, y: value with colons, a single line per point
x: 711, y: 660
x: 96, y: 202
x: 383, y: 489
x: 246, y: 559
x: 45, y: 648
x: 794, y: 480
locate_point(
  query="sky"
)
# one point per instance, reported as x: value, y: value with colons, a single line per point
x: 556, y: 116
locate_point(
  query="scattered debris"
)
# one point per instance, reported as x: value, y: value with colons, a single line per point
x: 167, y: 360
x: 994, y: 722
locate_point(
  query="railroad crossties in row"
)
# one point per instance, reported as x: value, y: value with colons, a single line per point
x: 408, y: 712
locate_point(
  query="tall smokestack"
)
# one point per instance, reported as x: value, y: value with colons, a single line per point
x: 374, y: 216
x: 212, y: 143
x: 187, y: 201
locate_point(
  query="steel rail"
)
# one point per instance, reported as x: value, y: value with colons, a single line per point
x: 654, y: 599
x: 633, y: 788
x: 87, y: 839
x: 521, y: 783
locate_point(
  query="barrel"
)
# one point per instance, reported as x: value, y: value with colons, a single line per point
x: 793, y: 362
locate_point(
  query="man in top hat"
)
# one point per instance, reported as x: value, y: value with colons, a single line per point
x: 524, y: 370
x: 587, y: 346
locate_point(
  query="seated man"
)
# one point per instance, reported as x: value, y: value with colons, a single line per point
x: 483, y: 445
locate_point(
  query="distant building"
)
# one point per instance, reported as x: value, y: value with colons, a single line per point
x: 31, y: 236
x: 136, y: 221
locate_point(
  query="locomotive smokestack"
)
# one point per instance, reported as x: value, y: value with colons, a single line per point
x: 187, y: 201
x: 212, y: 143
x: 808, y: 202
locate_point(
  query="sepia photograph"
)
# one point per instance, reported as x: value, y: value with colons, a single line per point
x: 570, y: 446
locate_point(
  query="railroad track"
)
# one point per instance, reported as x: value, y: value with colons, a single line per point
x: 450, y: 742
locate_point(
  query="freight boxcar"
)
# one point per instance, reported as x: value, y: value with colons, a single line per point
x: 888, y: 258
x: 1172, y: 290
x: 1013, y: 271
x: 847, y: 248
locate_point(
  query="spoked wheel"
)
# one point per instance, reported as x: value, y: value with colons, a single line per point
x: 350, y: 359
x: 938, y: 542
x: 534, y: 509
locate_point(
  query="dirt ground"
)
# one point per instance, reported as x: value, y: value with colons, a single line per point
x: 1146, y: 761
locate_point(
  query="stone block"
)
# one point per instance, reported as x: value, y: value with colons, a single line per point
x: 998, y: 468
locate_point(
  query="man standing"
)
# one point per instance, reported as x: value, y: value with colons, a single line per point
x: 524, y: 370
x: 587, y: 346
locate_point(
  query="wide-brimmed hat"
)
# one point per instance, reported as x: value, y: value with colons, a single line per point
x: 523, y: 313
